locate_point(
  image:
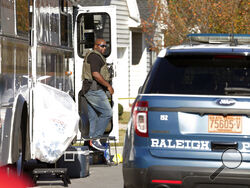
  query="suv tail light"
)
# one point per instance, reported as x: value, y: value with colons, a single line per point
x: 140, y: 118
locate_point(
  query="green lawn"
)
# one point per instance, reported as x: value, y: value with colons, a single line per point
x: 124, y: 118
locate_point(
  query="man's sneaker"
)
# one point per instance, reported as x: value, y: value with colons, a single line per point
x: 97, y: 145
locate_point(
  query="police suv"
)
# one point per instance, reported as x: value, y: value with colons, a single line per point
x: 190, y: 123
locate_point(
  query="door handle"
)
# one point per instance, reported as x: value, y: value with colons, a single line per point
x: 221, y: 146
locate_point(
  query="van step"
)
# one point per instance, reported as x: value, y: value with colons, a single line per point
x: 58, y: 172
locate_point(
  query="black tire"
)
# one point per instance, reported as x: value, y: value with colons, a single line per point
x: 24, y: 124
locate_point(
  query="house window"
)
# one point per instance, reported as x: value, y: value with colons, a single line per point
x: 22, y: 16
x: 136, y: 47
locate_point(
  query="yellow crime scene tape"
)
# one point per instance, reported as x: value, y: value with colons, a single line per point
x: 129, y: 98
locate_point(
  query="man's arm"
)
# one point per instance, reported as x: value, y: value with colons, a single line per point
x: 98, y: 77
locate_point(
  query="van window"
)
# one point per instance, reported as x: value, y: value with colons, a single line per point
x: 200, y: 75
x: 91, y: 26
x: 66, y: 22
x: 22, y: 17
x: 0, y: 17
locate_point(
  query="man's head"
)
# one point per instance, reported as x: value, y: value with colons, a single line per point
x: 100, y: 45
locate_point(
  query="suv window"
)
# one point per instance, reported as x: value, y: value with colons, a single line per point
x: 200, y: 74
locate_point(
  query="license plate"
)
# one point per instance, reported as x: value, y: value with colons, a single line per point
x: 227, y: 124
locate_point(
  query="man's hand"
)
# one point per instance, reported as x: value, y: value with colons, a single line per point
x: 111, y: 90
x: 98, y: 77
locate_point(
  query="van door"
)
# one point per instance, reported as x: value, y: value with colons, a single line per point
x: 92, y: 23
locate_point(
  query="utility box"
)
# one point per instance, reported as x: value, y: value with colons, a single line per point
x: 76, y: 160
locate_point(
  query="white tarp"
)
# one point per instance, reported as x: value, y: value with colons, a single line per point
x: 55, y: 122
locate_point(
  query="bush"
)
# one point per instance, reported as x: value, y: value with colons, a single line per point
x: 120, y: 110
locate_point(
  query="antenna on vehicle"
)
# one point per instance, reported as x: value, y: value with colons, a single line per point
x: 190, y: 41
x: 234, y: 42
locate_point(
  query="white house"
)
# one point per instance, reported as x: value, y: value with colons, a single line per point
x: 134, y: 57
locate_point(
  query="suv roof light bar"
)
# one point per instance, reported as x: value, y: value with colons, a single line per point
x: 234, y: 39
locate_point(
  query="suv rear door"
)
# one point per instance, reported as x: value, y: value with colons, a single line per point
x: 198, y: 104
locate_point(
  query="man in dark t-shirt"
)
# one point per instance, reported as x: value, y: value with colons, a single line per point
x: 96, y: 63
x: 96, y: 80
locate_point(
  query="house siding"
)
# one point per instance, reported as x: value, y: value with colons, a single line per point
x: 122, y: 22
x: 123, y: 44
x: 149, y: 59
